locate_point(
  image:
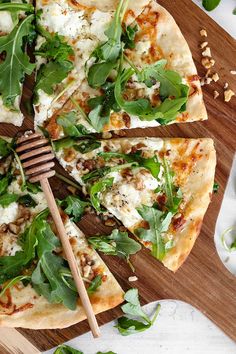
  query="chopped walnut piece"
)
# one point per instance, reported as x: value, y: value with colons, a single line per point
x: 208, y: 62
x: 203, y: 33
x: 110, y: 222
x: 14, y: 228
x: 203, y: 45
x: 215, y: 77
x: 106, y: 135
x: 233, y: 72
x: 206, y: 52
x: 228, y: 95
x: 226, y: 85
x: 133, y: 278
x: 216, y: 94
x: 72, y: 189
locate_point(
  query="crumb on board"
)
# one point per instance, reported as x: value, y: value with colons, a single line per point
x: 203, y: 33
x: 215, y: 77
x: 133, y: 278
x: 226, y: 85
x: 203, y: 45
x: 215, y: 94
x: 206, y: 52
x: 228, y: 94
x: 208, y: 62
x: 233, y: 72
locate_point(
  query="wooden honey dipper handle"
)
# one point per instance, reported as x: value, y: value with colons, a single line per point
x: 36, y: 156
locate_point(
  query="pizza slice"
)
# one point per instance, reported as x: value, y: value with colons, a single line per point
x: 16, y: 31
x: 36, y: 286
x: 68, y: 33
x: 137, y: 72
x: 158, y: 188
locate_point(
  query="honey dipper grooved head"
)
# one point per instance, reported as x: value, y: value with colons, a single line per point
x: 36, y: 156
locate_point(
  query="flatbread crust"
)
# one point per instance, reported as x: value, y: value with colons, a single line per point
x: 192, y: 160
x: 23, y: 307
x: 158, y: 37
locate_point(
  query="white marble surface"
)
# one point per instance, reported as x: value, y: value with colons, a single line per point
x: 179, y: 328
x: 223, y: 15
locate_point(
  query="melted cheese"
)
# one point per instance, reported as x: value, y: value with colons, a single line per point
x: 8, y: 214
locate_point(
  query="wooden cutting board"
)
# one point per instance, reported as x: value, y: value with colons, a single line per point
x: 202, y: 281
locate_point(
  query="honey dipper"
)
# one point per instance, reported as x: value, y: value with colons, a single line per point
x: 37, y: 157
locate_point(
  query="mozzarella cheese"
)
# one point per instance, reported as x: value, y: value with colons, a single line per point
x: 9, y: 213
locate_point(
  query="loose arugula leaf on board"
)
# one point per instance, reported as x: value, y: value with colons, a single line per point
x: 128, y: 36
x: 94, y: 285
x: 158, y: 223
x: 74, y: 207
x: 51, y: 74
x: 71, y: 129
x: 117, y: 244
x: 210, y: 5
x: 16, y: 64
x: 126, y: 325
x: 98, y: 188
x: 66, y: 349
x: 8, y: 198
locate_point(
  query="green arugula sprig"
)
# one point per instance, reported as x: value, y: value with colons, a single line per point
x: 96, y: 189
x: 173, y: 194
x: 16, y: 64
x: 71, y: 129
x: 210, y: 5
x: 116, y: 244
x: 138, y: 320
x: 159, y: 223
x: 74, y: 207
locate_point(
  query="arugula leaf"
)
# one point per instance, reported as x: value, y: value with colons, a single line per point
x: 158, y: 223
x: 94, y: 285
x: 210, y: 5
x: 87, y: 146
x: 98, y: 73
x: 117, y: 244
x: 54, y: 48
x: 101, y: 172
x: 16, y: 63
x: 4, y: 182
x: 12, y: 282
x: 5, y: 148
x: 68, y: 122
x: 8, y: 6
x: 97, y: 119
x: 66, y: 349
x: 27, y: 201
x: 173, y: 194
x: 98, y: 188
x: 152, y: 164
x: 128, y: 36
x: 126, y: 325
x: 63, y: 143
x: 8, y: 198
x: 33, y: 188
x: 51, y: 74
x: 74, y: 207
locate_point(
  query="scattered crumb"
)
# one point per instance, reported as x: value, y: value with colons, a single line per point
x: 203, y: 45
x: 106, y: 135
x: 233, y: 72
x: 133, y: 278
x: 208, y: 72
x: 207, y: 52
x: 207, y: 62
x: 208, y: 80
x: 215, y: 77
x: 228, y: 95
x: 202, y: 81
x: 216, y: 94
x: 226, y: 85
x: 203, y: 33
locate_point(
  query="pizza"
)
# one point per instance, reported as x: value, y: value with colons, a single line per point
x: 112, y: 65
x: 158, y: 188
x: 36, y: 286
x: 16, y: 31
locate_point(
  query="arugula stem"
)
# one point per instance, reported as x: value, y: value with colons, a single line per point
x: 131, y: 64
x: 16, y: 7
x: 67, y: 180
x: 76, y: 104
x: 21, y: 168
x: 63, y: 91
x: 13, y: 282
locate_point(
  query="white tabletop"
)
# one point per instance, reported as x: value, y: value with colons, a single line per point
x: 179, y: 328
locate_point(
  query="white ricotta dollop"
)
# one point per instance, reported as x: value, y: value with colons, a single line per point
x: 8, y: 214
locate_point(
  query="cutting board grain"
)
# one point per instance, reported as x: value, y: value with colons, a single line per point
x: 202, y: 281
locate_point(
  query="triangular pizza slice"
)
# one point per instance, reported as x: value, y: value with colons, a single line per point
x: 131, y: 68
x: 158, y: 188
x: 36, y: 286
